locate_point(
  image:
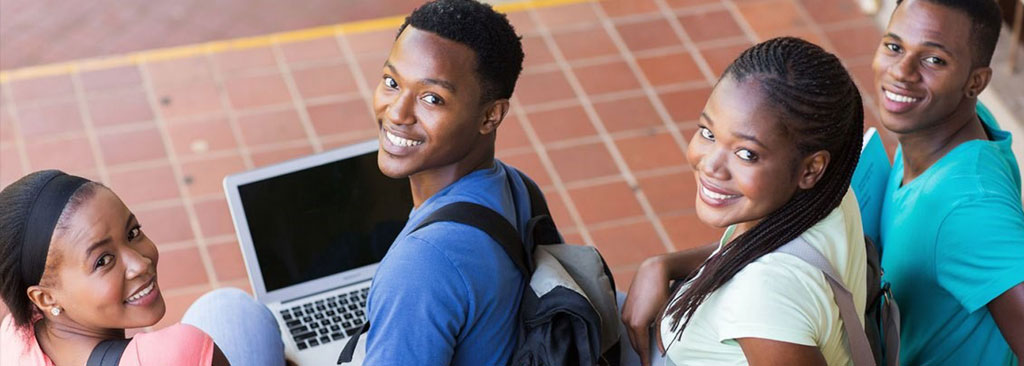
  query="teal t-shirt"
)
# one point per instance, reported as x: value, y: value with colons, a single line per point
x: 952, y: 241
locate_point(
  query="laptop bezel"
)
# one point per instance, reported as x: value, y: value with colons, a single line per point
x: 252, y: 266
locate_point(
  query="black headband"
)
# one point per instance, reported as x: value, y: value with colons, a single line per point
x: 42, y: 219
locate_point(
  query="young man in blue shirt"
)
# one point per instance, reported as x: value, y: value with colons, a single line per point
x: 447, y: 294
x: 952, y: 222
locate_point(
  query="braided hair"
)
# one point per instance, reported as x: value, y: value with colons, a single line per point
x: 820, y: 108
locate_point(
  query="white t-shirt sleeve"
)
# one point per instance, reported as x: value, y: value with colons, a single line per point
x: 787, y: 303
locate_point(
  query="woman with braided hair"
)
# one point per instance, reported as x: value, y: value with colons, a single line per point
x: 773, y: 154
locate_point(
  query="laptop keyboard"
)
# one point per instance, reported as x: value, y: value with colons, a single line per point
x: 326, y: 320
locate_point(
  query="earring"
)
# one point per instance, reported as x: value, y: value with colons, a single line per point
x: 55, y: 310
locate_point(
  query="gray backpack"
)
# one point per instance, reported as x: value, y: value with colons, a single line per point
x: 878, y: 342
x: 568, y: 313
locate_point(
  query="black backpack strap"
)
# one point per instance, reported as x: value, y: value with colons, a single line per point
x: 541, y: 225
x: 108, y: 352
x: 488, y: 221
x: 350, y: 346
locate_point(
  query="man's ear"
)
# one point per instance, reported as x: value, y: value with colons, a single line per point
x: 494, y: 113
x: 977, y: 81
x: 812, y: 168
x: 42, y: 298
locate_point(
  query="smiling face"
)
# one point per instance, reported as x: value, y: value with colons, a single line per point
x: 745, y: 165
x: 429, y: 112
x: 102, y: 268
x: 924, y: 67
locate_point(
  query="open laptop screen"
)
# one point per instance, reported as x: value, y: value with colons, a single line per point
x: 324, y: 220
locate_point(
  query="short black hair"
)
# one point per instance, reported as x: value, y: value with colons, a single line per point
x: 15, y: 202
x: 986, y: 21
x: 499, y: 51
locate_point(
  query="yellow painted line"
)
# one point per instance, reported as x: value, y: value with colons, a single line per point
x: 171, y: 53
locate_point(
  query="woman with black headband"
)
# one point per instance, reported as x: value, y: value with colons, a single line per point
x: 76, y: 270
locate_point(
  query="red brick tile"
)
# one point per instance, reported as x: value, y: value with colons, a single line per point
x: 227, y: 261
x: 859, y: 41
x: 113, y: 78
x: 768, y: 17
x: 178, y: 302
x: 165, y: 225
x: 10, y: 166
x: 271, y: 127
x: 560, y: 214
x: 206, y: 175
x: 341, y: 117
x: 371, y: 70
x: 312, y: 50
x: 583, y: 162
x: 806, y: 33
x: 180, y: 268
x: 627, y: 114
x: 864, y: 76
x: 536, y: 51
x: 72, y: 155
x: 511, y: 134
x: 214, y: 217
x: 687, y: 231
x: 710, y: 25
x: 618, y: 8
x: 39, y: 120
x: 245, y: 59
x: 321, y: 81
x: 605, y: 202
x: 623, y: 279
x: 831, y: 11
x: 7, y: 134
x: 191, y: 70
x: 670, y: 69
x: 530, y: 164
x: 119, y: 108
x: 647, y: 35
x: 572, y: 238
x: 197, y: 138
x: 373, y: 44
x: 542, y: 87
x: 255, y: 91
x: 651, y: 151
x: 49, y: 87
x: 189, y: 100
x: 132, y: 146
x: 606, y: 78
x: 522, y: 22
x: 561, y: 124
x: 670, y: 193
x: 719, y: 58
x: 586, y: 43
x: 144, y: 185
x: 685, y: 105
x: 268, y: 157
x: 683, y: 4
x: 627, y: 245
x: 558, y: 17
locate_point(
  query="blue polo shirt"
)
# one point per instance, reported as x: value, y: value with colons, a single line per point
x: 448, y: 294
x: 952, y: 241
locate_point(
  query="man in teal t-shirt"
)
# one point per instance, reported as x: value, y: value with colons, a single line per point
x: 952, y: 226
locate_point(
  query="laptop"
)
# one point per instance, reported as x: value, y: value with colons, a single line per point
x: 312, y: 232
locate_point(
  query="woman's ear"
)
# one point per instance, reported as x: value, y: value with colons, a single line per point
x: 42, y: 298
x: 812, y: 168
x: 494, y: 113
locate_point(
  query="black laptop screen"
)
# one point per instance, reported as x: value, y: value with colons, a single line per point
x: 324, y: 220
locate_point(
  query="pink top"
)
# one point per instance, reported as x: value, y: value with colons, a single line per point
x: 179, y: 344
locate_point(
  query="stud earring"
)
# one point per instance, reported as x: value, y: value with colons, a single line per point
x: 55, y: 310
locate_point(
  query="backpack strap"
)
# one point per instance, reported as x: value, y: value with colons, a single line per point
x: 860, y: 349
x: 108, y: 352
x: 494, y: 224
x: 350, y: 346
